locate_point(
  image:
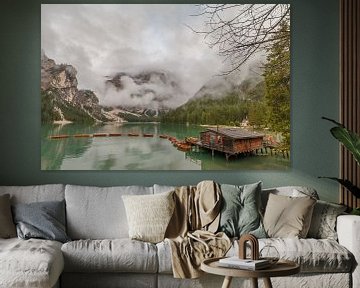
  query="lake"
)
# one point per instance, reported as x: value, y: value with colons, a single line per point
x: 138, y: 153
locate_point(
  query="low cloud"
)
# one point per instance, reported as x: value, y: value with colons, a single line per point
x: 101, y: 40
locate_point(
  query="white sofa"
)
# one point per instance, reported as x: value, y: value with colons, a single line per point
x: 101, y: 254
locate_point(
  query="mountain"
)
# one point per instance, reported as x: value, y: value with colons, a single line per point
x: 220, y: 102
x: 221, y: 86
x: 61, y: 100
x: 143, y: 96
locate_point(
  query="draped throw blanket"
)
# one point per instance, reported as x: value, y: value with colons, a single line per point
x: 191, y: 231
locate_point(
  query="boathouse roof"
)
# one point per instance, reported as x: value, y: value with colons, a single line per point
x: 235, y: 133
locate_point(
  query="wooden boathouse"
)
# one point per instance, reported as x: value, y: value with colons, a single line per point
x: 231, y: 141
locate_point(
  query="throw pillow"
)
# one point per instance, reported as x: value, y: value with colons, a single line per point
x: 149, y: 215
x: 287, y: 217
x: 240, y: 213
x: 43, y: 220
x: 7, y: 227
x: 323, y: 222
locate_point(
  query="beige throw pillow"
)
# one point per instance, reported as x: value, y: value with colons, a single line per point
x: 148, y: 215
x: 7, y: 226
x: 288, y: 217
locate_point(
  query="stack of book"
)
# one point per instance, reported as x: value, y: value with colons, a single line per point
x: 248, y: 264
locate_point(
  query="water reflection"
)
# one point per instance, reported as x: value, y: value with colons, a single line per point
x: 135, y: 153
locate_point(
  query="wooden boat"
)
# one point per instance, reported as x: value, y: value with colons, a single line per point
x: 163, y: 136
x: 114, y: 134
x: 173, y: 140
x: 183, y: 146
x: 82, y: 135
x: 191, y: 140
x: 100, y: 135
x: 133, y: 134
x: 59, y: 136
x: 148, y: 135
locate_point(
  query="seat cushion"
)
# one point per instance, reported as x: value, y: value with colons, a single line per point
x: 30, y: 263
x: 117, y: 255
x: 313, y: 255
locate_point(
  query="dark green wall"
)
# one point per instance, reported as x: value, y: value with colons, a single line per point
x: 314, y: 49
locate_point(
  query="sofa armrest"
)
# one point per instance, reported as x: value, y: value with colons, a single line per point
x: 348, y: 230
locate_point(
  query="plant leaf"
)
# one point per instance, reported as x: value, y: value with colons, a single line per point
x: 348, y: 138
x: 347, y: 184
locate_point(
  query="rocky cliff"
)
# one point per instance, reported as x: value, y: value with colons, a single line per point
x: 61, y: 100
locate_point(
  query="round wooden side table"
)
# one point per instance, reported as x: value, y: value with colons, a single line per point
x: 281, y: 268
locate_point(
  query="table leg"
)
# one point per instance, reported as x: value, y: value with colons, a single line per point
x: 254, y: 282
x: 227, y: 282
x: 267, y: 283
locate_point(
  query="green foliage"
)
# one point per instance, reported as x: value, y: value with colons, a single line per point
x: 48, y: 113
x: 355, y: 211
x: 347, y: 184
x: 277, y: 81
x: 351, y: 141
x: 229, y: 110
x: 75, y: 114
x: 51, y: 103
x: 258, y: 108
x: 348, y: 138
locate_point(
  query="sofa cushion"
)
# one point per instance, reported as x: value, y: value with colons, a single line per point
x: 7, y: 226
x: 149, y: 215
x: 43, y: 220
x: 98, y: 213
x: 117, y: 255
x: 30, y: 263
x: 163, y: 188
x: 287, y: 216
x: 240, y: 210
x: 323, y: 222
x: 36, y: 193
x: 291, y: 191
x: 313, y: 255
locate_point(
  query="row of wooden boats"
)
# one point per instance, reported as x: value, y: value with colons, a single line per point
x: 100, y: 135
x: 182, y: 145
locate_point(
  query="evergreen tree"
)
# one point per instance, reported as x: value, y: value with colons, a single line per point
x: 277, y: 84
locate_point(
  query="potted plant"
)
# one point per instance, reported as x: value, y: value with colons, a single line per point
x: 351, y: 141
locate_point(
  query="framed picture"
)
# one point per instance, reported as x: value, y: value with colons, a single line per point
x: 165, y: 86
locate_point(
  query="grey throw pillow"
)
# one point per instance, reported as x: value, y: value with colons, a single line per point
x: 240, y: 213
x: 44, y: 220
x: 323, y: 222
x: 7, y: 226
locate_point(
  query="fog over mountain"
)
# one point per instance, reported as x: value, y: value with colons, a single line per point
x: 151, y: 89
x: 104, y: 40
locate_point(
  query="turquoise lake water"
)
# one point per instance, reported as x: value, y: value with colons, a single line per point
x: 138, y: 153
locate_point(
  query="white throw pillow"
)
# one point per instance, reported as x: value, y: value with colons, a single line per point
x: 149, y: 215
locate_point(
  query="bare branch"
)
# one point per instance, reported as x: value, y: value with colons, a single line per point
x: 239, y: 31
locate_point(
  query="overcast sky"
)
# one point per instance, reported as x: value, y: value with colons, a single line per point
x: 102, y: 39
